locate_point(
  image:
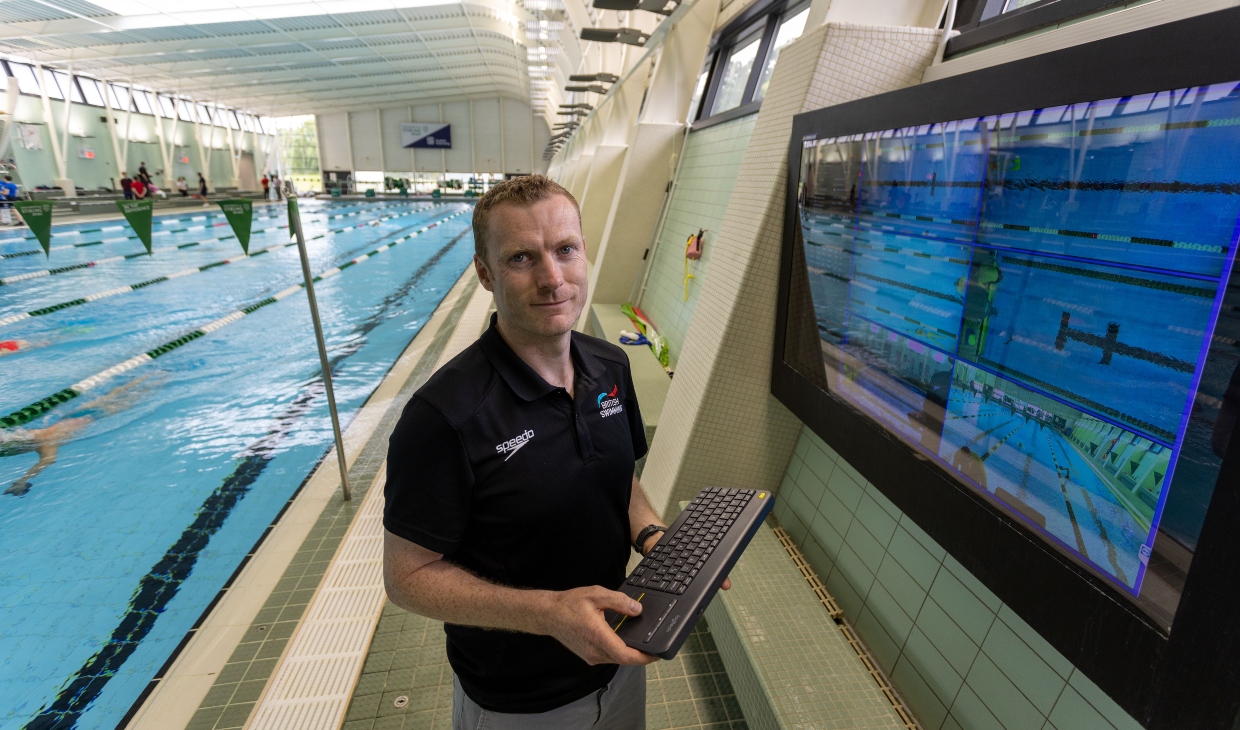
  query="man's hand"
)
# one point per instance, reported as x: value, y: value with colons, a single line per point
x: 575, y: 619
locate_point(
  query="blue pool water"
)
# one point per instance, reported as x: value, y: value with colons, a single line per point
x: 238, y: 412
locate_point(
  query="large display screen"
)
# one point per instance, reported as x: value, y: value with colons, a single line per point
x: 1038, y: 301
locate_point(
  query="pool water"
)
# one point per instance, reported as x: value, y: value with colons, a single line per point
x: 114, y: 551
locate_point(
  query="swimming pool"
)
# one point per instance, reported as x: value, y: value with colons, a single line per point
x: 116, y: 549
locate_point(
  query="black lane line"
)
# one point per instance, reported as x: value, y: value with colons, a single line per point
x: 1112, y: 555
x: 159, y: 586
x: 1063, y: 487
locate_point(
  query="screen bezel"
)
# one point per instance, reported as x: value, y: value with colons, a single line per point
x: 1184, y: 678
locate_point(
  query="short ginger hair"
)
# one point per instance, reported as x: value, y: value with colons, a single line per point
x: 522, y: 191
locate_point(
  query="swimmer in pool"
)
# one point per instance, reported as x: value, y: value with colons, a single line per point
x: 8, y: 347
x: 46, y: 441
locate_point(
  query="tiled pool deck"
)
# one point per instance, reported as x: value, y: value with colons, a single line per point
x: 406, y: 683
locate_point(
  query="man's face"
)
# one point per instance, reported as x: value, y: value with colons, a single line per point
x: 536, y: 266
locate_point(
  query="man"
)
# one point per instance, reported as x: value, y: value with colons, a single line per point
x: 143, y: 175
x: 511, y: 503
x: 126, y: 186
x: 8, y: 193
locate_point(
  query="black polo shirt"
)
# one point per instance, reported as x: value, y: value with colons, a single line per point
x: 515, y: 481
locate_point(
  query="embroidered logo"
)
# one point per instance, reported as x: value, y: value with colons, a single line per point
x: 513, y: 445
x: 609, y: 404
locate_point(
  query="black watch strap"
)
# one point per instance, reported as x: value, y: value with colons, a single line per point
x: 644, y: 535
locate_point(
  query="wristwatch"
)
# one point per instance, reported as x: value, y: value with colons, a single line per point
x: 642, y: 536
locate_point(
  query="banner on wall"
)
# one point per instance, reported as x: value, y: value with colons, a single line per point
x: 433, y: 135
x: 38, y: 215
x: 138, y: 213
x: 240, y: 214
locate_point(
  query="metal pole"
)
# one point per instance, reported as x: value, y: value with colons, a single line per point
x: 294, y: 220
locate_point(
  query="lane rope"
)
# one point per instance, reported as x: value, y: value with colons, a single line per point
x: 11, y: 319
x: 9, y: 280
x: 33, y: 251
x: 38, y: 408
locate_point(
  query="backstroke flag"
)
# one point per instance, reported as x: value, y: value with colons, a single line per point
x: 138, y: 213
x: 38, y: 215
x: 240, y: 213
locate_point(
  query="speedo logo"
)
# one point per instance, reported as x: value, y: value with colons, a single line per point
x: 609, y: 404
x: 513, y: 445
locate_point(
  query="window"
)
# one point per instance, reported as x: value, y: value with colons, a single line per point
x: 739, y: 68
x: 204, y: 116
x: 247, y: 124
x: 120, y: 97
x: 49, y: 83
x: 142, y: 101
x: 90, y: 89
x: 232, y: 120
x: 985, y: 22
x: 167, y: 107
x: 217, y: 117
x: 790, y: 28
x: 68, y: 87
x: 26, y: 81
x: 736, y: 72
x: 183, y: 111
x: 698, y: 90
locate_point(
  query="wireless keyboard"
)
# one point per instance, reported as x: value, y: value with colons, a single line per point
x: 677, y: 580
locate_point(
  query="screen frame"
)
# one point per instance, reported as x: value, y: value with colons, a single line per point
x: 1184, y: 678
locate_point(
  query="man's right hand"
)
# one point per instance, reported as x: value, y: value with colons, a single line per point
x: 575, y: 619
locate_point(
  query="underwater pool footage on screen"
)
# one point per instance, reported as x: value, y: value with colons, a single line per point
x: 1031, y: 299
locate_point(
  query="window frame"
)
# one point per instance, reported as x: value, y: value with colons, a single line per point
x: 977, y: 29
x: 765, y: 17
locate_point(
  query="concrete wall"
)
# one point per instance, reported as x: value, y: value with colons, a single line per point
x: 89, y: 129
x: 496, y: 135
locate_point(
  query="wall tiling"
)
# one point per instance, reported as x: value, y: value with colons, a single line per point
x: 962, y: 659
x: 699, y: 200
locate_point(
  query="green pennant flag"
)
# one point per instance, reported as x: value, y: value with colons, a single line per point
x: 38, y: 215
x: 240, y: 213
x: 138, y: 213
x: 294, y: 214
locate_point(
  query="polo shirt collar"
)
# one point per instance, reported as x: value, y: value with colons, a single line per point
x: 527, y: 384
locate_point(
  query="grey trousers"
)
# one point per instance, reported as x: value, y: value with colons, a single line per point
x: 621, y: 705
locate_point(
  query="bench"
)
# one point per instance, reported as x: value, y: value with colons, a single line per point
x: 650, y: 380
x: 790, y: 663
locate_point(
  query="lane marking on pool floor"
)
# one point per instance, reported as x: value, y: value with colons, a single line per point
x: 38, y: 408
x: 84, y: 244
x: 11, y: 319
x: 9, y: 280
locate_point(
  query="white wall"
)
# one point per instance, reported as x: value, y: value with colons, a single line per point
x: 497, y: 135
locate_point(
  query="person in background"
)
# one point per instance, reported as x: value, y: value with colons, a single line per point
x: 182, y: 187
x: 126, y: 186
x: 143, y: 175
x: 9, y: 347
x: 202, y: 190
x: 139, y: 189
x: 8, y: 193
x: 153, y: 190
x: 266, y: 187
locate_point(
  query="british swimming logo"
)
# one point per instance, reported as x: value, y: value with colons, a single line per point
x: 513, y: 445
x: 609, y: 404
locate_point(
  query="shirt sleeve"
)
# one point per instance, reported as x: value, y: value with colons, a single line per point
x: 429, y: 480
x: 636, y: 428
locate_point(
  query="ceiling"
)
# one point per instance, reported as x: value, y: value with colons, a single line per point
x: 295, y: 57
